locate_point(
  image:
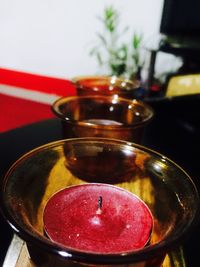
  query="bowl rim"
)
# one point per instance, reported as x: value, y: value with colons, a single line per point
x: 75, y: 255
x: 114, y: 98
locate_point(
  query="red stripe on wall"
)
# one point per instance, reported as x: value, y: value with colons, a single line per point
x: 36, y: 82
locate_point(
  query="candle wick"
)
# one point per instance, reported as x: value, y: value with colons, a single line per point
x: 100, y: 202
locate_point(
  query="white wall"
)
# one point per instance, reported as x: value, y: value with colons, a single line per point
x: 53, y: 37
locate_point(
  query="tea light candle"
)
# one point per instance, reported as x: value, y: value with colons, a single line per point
x: 98, y: 218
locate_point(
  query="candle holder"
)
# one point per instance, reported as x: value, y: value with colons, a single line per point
x: 161, y: 184
x: 103, y: 116
x: 108, y: 85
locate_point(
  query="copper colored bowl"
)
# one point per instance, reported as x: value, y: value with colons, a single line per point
x: 159, y: 182
x: 103, y: 116
x: 107, y: 85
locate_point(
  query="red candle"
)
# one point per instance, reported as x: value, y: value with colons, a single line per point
x: 98, y: 218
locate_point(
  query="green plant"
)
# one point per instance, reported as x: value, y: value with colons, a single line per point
x: 121, y: 59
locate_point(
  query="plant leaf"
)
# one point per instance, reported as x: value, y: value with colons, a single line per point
x: 102, y: 38
x: 136, y: 41
x: 100, y: 61
x: 93, y: 51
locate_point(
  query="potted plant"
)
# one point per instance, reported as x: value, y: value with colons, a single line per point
x: 111, y: 51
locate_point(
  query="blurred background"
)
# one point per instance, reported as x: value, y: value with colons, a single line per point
x: 54, y: 38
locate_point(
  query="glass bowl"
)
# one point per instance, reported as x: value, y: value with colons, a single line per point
x: 103, y: 116
x: 108, y: 85
x: 166, y: 189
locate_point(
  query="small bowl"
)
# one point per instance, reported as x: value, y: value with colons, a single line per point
x: 166, y: 189
x: 103, y: 116
x: 108, y: 85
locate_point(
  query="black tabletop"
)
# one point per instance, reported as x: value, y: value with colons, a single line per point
x: 172, y: 132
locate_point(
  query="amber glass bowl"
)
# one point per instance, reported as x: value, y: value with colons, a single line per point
x: 165, y: 187
x: 103, y: 116
x: 106, y: 85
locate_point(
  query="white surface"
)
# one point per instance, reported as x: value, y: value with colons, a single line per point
x: 53, y: 37
x: 13, y: 252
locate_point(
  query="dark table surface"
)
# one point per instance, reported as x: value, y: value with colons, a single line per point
x: 174, y: 132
